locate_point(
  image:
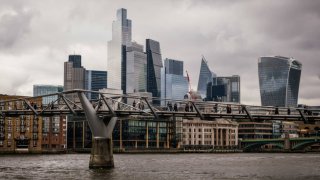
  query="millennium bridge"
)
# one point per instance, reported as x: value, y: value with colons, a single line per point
x: 102, y: 114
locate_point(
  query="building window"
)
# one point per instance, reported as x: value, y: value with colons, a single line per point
x: 1, y: 143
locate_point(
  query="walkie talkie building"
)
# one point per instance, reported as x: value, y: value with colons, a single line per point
x: 279, y: 79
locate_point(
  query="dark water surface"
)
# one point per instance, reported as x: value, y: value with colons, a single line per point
x: 164, y: 166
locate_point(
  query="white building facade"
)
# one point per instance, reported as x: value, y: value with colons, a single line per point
x: 222, y: 133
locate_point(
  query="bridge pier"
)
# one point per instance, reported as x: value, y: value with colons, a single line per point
x: 101, y: 153
x: 102, y: 149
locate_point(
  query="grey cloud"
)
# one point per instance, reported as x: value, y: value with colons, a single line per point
x: 14, y: 25
x: 230, y: 34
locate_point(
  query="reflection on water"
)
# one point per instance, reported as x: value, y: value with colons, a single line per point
x: 164, y: 166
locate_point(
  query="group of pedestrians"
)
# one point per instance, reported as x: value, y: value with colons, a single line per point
x: 140, y: 104
x: 170, y: 108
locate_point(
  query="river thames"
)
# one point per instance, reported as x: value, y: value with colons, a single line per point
x: 164, y: 166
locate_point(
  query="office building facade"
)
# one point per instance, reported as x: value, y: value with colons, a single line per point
x: 94, y: 81
x: 39, y: 90
x: 279, y: 79
x: 121, y: 38
x: 205, y: 77
x: 224, y: 89
x: 74, y: 75
x: 136, y: 69
x: 173, y: 84
x: 221, y: 133
x: 154, y: 65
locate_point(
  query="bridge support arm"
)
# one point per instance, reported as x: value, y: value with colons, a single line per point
x: 197, y: 110
x: 32, y: 109
x: 107, y: 104
x: 303, y: 117
x: 247, y: 112
x: 68, y: 105
x: 150, y: 107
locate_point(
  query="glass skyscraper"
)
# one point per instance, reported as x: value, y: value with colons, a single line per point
x: 136, y: 69
x: 121, y: 38
x: 39, y: 90
x: 173, y: 84
x: 154, y: 65
x: 205, y: 77
x: 95, y: 80
x: 224, y: 89
x: 279, y: 79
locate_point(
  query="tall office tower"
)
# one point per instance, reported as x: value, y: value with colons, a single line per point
x: 39, y: 90
x: 173, y: 84
x: 205, y: 77
x: 136, y: 69
x: 279, y: 79
x: 74, y: 74
x: 224, y: 89
x: 154, y: 65
x: 94, y: 81
x: 121, y: 38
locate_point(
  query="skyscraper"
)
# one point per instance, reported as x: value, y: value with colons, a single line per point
x: 224, y: 89
x: 279, y: 79
x: 154, y: 65
x: 205, y: 77
x: 95, y: 80
x: 74, y: 74
x: 39, y: 90
x: 173, y: 84
x: 121, y: 38
x: 136, y: 69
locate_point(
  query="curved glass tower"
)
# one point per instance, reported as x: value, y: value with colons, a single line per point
x: 279, y: 79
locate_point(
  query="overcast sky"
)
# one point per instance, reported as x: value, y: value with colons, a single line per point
x: 36, y: 37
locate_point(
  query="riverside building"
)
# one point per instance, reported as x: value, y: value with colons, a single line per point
x: 21, y: 133
x: 30, y: 133
x: 221, y: 133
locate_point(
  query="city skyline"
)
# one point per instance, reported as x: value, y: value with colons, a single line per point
x: 34, y: 48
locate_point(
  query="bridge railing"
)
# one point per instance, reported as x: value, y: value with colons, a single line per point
x: 68, y: 102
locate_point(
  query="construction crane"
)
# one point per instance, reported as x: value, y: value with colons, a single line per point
x: 192, y: 95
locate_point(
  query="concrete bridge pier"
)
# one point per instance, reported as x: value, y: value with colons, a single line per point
x: 101, y: 153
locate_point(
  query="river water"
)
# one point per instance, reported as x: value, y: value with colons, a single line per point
x: 164, y: 166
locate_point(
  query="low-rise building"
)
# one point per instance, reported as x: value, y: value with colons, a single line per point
x: 255, y: 130
x: 29, y: 133
x: 20, y: 133
x: 220, y: 133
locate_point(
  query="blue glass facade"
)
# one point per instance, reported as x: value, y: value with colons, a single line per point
x: 224, y: 89
x: 173, y: 84
x: 39, y: 90
x: 95, y: 80
x: 279, y: 79
x: 154, y: 65
x: 205, y: 77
